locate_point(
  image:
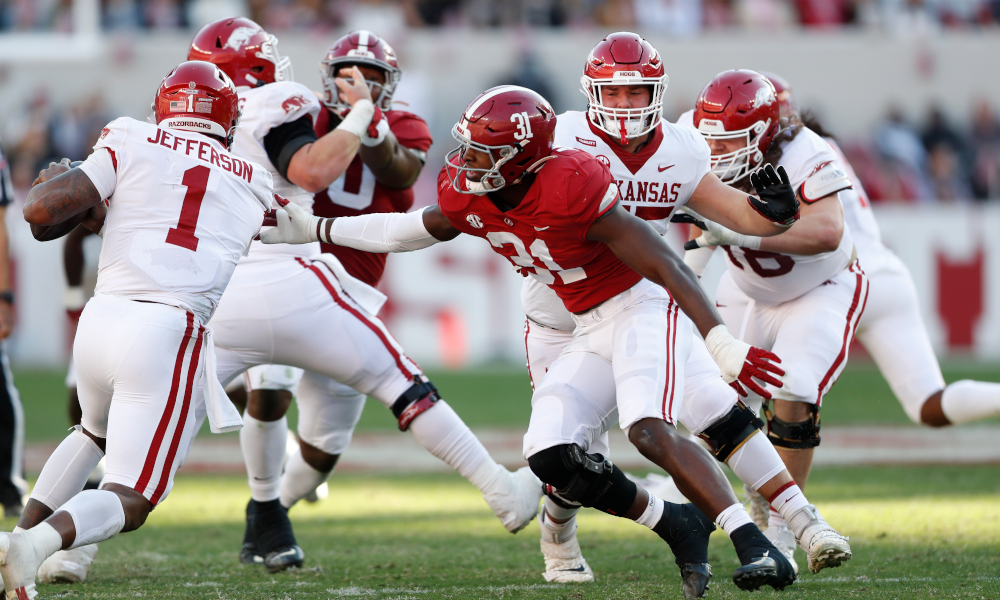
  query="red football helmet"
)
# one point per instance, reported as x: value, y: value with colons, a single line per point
x: 738, y: 104
x: 624, y: 59
x: 514, y: 125
x: 783, y: 92
x: 359, y: 48
x: 241, y: 48
x: 198, y: 96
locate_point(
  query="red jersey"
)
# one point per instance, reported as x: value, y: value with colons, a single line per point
x: 545, y: 236
x: 357, y: 192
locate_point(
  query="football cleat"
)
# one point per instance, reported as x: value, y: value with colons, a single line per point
x: 695, y: 579
x: 320, y: 493
x: 783, y: 539
x: 249, y: 555
x: 769, y: 569
x: 68, y: 566
x: 515, y: 502
x: 274, y: 536
x: 564, y: 562
x: 759, y: 508
x: 19, y: 562
x: 823, y: 545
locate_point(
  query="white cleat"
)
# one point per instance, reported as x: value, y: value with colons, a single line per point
x: 824, y: 546
x: 19, y: 561
x: 68, y: 566
x: 783, y: 539
x: 515, y: 501
x: 759, y: 508
x: 320, y: 493
x: 663, y: 487
x: 564, y: 562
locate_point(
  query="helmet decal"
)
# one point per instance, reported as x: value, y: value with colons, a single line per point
x: 239, y: 37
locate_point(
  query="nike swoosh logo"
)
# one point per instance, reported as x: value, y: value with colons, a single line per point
x: 576, y: 570
x: 717, y: 305
x: 662, y: 169
x: 542, y: 228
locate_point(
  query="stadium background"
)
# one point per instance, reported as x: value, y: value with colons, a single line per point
x: 909, y: 87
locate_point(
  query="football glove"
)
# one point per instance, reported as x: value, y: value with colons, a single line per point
x: 293, y: 225
x: 742, y: 363
x: 717, y: 235
x: 775, y: 200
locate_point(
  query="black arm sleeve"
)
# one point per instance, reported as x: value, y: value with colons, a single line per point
x: 282, y: 142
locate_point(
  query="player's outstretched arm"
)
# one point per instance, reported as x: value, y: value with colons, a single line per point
x: 315, y: 166
x: 769, y: 213
x: 638, y: 245
x: 60, y: 195
x: 392, y: 164
x: 376, y: 232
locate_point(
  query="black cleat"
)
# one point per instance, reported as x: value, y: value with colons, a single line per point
x: 249, y: 555
x: 763, y: 564
x: 695, y: 579
x: 275, y: 538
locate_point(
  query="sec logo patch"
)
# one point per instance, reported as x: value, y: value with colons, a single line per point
x: 508, y: 222
x: 474, y: 220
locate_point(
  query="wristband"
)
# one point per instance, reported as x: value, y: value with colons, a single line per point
x: 377, y: 131
x: 74, y: 297
x: 359, y: 118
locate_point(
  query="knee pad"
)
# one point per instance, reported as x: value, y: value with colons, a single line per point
x: 726, y: 435
x: 798, y: 435
x: 577, y: 478
x: 419, y: 398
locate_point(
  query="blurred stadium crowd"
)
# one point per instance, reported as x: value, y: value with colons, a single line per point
x: 932, y: 161
x: 679, y: 17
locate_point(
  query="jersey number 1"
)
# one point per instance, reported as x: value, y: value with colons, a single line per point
x: 196, y: 182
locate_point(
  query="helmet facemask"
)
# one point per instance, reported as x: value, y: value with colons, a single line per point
x: 733, y: 166
x: 282, y: 64
x: 328, y: 73
x: 624, y: 124
x: 491, y: 179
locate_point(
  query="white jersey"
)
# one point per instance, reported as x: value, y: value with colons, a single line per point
x: 858, y: 215
x: 773, y: 278
x: 265, y: 108
x: 181, y: 212
x: 653, y: 183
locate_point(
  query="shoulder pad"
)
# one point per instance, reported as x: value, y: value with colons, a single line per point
x: 827, y: 178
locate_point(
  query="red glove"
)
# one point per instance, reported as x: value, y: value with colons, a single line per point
x: 757, y: 365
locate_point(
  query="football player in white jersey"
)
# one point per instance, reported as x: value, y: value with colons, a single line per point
x: 142, y: 349
x: 891, y: 328
x: 800, y: 293
x: 291, y: 305
x: 659, y: 167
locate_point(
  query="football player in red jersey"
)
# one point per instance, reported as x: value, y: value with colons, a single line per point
x: 554, y: 213
x: 379, y: 179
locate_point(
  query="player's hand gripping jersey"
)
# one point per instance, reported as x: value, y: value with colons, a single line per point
x: 653, y: 183
x: 545, y: 235
x: 774, y: 278
x: 176, y: 243
x: 266, y: 108
x: 357, y: 192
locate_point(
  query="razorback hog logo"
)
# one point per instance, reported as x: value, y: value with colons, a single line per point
x: 294, y: 103
x: 105, y: 132
x: 819, y: 167
x: 239, y: 37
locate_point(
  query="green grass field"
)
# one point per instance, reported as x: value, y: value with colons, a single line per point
x: 500, y: 397
x: 917, y: 532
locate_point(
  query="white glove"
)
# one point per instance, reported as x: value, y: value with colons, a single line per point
x: 295, y: 226
x: 717, y: 235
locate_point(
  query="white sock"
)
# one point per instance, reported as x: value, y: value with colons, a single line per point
x: 756, y: 462
x: 967, y: 400
x: 98, y: 515
x: 263, y: 445
x: 650, y: 517
x: 785, y: 503
x: 733, y: 518
x: 559, y: 512
x: 443, y: 433
x: 67, y: 469
x: 776, y: 520
x: 300, y: 479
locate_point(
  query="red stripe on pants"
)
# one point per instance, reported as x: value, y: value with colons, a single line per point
x: 671, y: 369
x: 848, y: 329
x: 168, y: 411
x: 168, y: 462
x: 527, y: 329
x: 357, y: 314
